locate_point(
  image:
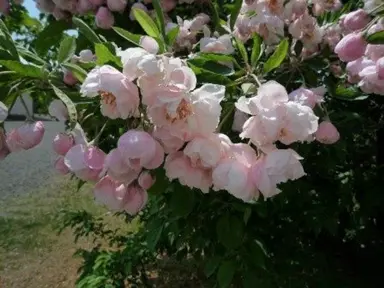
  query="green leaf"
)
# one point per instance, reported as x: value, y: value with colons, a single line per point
x: 154, y: 230
x: 133, y: 38
x: 247, y: 215
x: 376, y: 38
x: 50, y: 36
x: 225, y: 274
x: 182, y: 201
x: 277, y: 57
x: 26, y: 70
x: 104, y: 55
x: 211, y: 265
x: 211, y: 66
x: 6, y: 41
x: 70, y: 106
x: 242, y: 50
x: 67, y: 49
x: 146, y: 23
x: 86, y: 30
x: 230, y: 231
x: 217, y: 57
x: 172, y: 35
x: 235, y: 12
x: 256, y: 49
x: 348, y: 93
x: 28, y: 55
x: 257, y: 254
x: 160, y: 17
x: 77, y: 71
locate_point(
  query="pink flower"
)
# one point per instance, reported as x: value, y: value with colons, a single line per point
x: 321, y: 6
x: 370, y: 81
x: 195, y: 113
x: 97, y: 2
x: 179, y: 166
x: 294, y: 9
x: 355, y: 67
x: 3, y: 112
x: 351, y: 47
x: 275, y: 118
x: 60, y: 165
x: 4, y: 150
x: 278, y: 166
x: 119, y: 96
x: 117, y: 169
x: 355, y: 20
x: 69, y: 78
x: 86, y: 56
x: 58, y: 110
x: 149, y: 44
x: 62, y: 143
x: 119, y: 197
x: 117, y: 5
x: 4, y: 7
x: 380, y: 68
x: 146, y: 180
x: 198, y: 22
x: 327, y: 133
x: 269, y: 26
x: 130, y: 59
x: 306, y: 97
x: 168, y: 5
x: 84, y: 6
x: 170, y: 142
x: 305, y: 28
x: 86, y: 162
x: 234, y: 173
x: 25, y: 137
x: 139, y: 149
x: 221, y: 45
x: 104, y: 18
x: 332, y: 35
x: 206, y: 152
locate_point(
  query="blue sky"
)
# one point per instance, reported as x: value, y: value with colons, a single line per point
x: 31, y: 6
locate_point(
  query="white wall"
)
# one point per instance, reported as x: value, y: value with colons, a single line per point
x: 18, y: 108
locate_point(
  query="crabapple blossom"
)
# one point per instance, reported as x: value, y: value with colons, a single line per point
x: 355, y: 67
x: 25, y: 137
x: 307, y: 97
x: 139, y: 149
x: 104, y: 18
x: 169, y: 142
x: 277, y: 166
x: 380, y: 68
x: 306, y: 30
x: 69, y: 78
x: 327, y: 133
x: 220, y: 45
x: 119, y: 96
x: 351, y: 47
x: 146, y: 180
x: 62, y: 143
x: 60, y: 166
x: 120, y: 197
x: 86, y: 162
x: 321, y: 6
x: 117, y: 5
x: 355, y: 20
x: 233, y: 174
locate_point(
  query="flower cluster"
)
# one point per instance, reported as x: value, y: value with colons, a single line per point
x: 365, y: 61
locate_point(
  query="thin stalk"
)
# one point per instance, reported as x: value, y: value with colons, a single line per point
x: 225, y: 118
x: 96, y: 140
x: 256, y: 79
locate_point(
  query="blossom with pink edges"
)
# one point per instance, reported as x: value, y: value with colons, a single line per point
x: 351, y: 47
x: 25, y: 137
x: 86, y: 162
x: 60, y: 166
x: 327, y: 133
x: 62, y: 143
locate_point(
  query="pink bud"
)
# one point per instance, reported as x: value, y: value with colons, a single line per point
x: 135, y: 199
x: 355, y: 20
x: 380, y: 68
x: 25, y: 137
x: 117, y: 5
x: 4, y: 151
x: 84, y: 6
x: 104, y: 18
x: 62, y: 143
x: 69, y: 78
x: 86, y: 56
x: 149, y: 44
x: 351, y: 47
x: 139, y: 149
x: 117, y: 169
x: 327, y: 133
x: 168, y: 5
x: 137, y: 5
x: 60, y: 166
x: 146, y: 180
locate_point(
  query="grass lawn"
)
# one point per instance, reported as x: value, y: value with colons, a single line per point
x: 31, y: 253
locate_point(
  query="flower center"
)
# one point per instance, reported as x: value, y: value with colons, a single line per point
x: 108, y: 98
x: 183, y: 111
x: 274, y: 6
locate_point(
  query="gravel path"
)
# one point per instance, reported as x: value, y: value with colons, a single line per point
x: 26, y: 171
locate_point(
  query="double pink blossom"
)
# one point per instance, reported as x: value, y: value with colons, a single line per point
x: 327, y: 133
x: 86, y: 162
x: 120, y: 197
x: 119, y: 96
x: 25, y: 137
